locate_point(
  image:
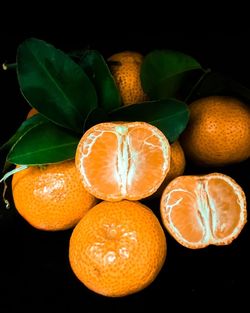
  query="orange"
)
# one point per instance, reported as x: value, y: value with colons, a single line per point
x: 177, y: 165
x: 51, y: 197
x: 31, y: 112
x: 202, y: 210
x: 123, y: 160
x: 177, y: 162
x: 118, y: 248
x: 218, y: 132
x: 125, y: 67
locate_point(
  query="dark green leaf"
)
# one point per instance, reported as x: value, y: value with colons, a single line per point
x: 98, y: 115
x: 163, y: 72
x: 240, y: 91
x: 215, y: 83
x: 45, y: 143
x: 54, y: 84
x: 26, y: 126
x: 169, y: 115
x: 97, y: 70
x: 76, y: 55
x: 7, y: 166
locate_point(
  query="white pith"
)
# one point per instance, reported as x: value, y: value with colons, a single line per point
x: 127, y: 157
x: 206, y: 210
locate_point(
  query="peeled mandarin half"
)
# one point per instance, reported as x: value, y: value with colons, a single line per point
x: 202, y: 210
x: 123, y: 160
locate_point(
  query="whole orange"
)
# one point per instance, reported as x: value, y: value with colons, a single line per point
x: 51, y: 197
x: 218, y: 132
x: 177, y: 166
x: 125, y: 67
x: 118, y: 248
x: 177, y: 162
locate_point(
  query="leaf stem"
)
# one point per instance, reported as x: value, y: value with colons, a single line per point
x: 7, y: 203
x: 15, y: 170
x: 197, y: 84
x: 3, y: 179
x: 9, y: 66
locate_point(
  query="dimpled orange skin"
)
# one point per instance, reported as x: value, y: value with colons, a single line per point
x: 218, y: 132
x: 177, y: 166
x: 118, y: 248
x: 125, y: 67
x: 177, y: 162
x: 51, y: 198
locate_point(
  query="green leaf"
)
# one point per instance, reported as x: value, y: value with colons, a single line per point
x: 164, y: 71
x: 54, y: 84
x: 215, y: 83
x: 26, y: 126
x: 98, y: 72
x: 45, y: 143
x: 169, y: 115
x: 98, y: 115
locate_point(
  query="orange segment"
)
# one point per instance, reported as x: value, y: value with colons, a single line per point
x: 190, y: 227
x: 123, y: 160
x: 202, y: 210
x: 228, y: 207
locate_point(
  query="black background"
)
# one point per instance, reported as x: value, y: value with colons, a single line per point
x: 34, y: 268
